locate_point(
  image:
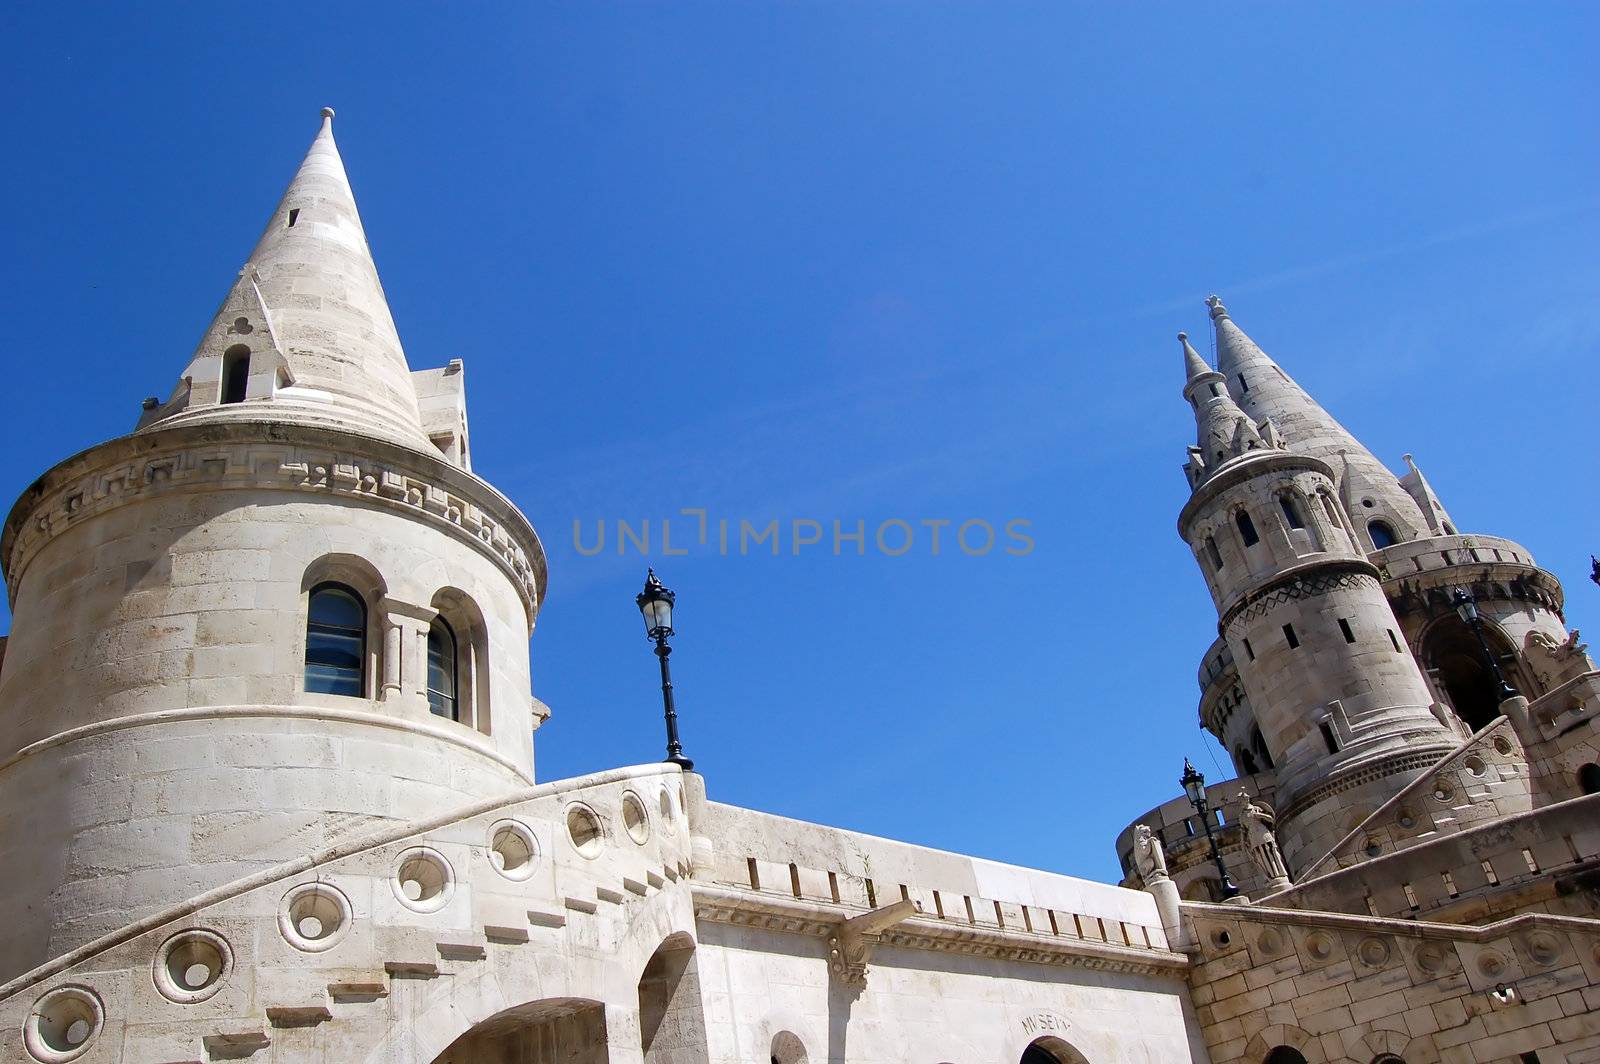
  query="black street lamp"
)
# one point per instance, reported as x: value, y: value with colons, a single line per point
x: 1467, y: 609
x: 1194, y: 785
x: 655, y: 604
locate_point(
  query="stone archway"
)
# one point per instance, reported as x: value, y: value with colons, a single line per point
x: 1284, y: 1043
x: 1452, y: 655
x: 567, y: 1029
x: 672, y: 1022
x: 1051, y: 1050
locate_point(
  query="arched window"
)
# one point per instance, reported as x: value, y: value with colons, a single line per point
x: 1247, y: 529
x: 1382, y: 534
x: 442, y: 670
x: 336, y: 641
x: 1259, y: 746
x: 1246, y: 761
x: 1589, y: 778
x: 1291, y: 512
x: 235, y: 373
x: 1213, y: 553
x: 1285, y: 1055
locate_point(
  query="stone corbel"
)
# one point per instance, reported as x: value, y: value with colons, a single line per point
x: 850, y: 945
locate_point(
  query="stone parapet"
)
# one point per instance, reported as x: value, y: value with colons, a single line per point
x: 280, y: 457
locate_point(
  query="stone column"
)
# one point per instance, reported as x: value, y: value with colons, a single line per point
x: 405, y: 651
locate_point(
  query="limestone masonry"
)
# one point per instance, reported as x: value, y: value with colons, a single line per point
x: 267, y: 767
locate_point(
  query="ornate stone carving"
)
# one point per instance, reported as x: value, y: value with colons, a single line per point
x: 1148, y: 856
x: 1257, y: 821
x: 850, y: 945
x: 284, y: 457
x: 1554, y: 663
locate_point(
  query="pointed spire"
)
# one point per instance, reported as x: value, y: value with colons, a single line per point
x: 305, y: 333
x: 1223, y: 432
x: 1193, y: 365
x: 1267, y: 394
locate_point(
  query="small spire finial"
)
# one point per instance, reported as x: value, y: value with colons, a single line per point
x: 1218, y: 311
x: 327, y: 112
x: 1183, y: 336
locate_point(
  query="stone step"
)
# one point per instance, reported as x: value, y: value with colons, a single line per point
x: 355, y: 990
x: 235, y: 1045
x: 298, y: 1015
x: 462, y: 946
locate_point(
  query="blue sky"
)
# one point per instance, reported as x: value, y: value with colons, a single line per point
x: 859, y: 262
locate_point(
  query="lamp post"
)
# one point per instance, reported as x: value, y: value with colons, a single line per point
x: 655, y: 604
x: 1194, y: 785
x: 1467, y: 609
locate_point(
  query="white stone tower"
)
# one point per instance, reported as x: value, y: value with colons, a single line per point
x: 282, y: 611
x: 1344, y: 711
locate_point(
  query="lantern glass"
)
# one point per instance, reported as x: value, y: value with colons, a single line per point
x: 657, y: 616
x: 1194, y: 784
x: 655, y: 606
x: 1466, y: 608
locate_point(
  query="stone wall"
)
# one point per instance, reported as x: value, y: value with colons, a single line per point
x: 1347, y: 989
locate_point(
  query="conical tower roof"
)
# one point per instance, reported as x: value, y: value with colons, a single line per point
x: 305, y: 333
x: 1266, y: 393
x: 1223, y: 432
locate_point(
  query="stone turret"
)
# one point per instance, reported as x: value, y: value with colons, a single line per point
x: 304, y: 334
x: 276, y: 614
x: 1341, y: 703
x: 1366, y: 487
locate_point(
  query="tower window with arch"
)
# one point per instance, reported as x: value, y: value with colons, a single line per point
x: 235, y: 374
x: 458, y: 660
x: 442, y: 690
x: 336, y: 641
x: 1291, y: 512
x: 1247, y: 528
x: 1258, y: 746
x: 1381, y: 534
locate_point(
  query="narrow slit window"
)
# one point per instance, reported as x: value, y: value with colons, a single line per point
x: 1247, y: 529
x: 1291, y: 512
x: 1213, y: 553
x: 1344, y: 629
x: 1244, y: 385
x: 1216, y: 389
x: 1249, y: 650
x: 336, y: 641
x: 294, y: 216
x: 1289, y: 636
x: 235, y: 374
x: 1328, y: 738
x: 1394, y: 642
x: 442, y: 670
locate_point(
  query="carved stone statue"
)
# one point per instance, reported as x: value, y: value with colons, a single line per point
x: 1148, y: 856
x: 1555, y: 663
x: 1257, y: 821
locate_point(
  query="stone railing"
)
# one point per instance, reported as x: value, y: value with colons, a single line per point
x: 556, y: 867
x: 1486, y: 778
x: 1527, y: 847
x: 1445, y: 552
x: 1037, y: 910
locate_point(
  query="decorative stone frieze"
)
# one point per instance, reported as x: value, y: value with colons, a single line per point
x: 292, y: 458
